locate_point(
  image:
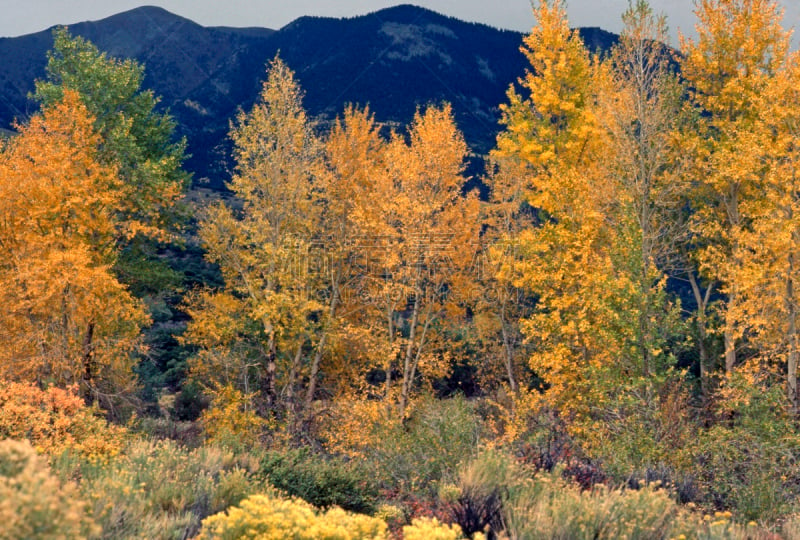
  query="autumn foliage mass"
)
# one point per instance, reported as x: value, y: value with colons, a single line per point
x: 600, y: 342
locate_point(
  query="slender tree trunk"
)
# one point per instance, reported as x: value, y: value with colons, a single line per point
x: 291, y: 406
x: 88, y: 364
x: 644, y: 342
x: 702, y: 303
x: 314, y: 373
x: 68, y: 373
x: 646, y: 181
x: 270, y: 370
x: 315, y: 363
x: 508, y: 350
x: 406, y: 388
x: 418, y: 354
x: 390, y: 322
x: 730, y: 341
x: 735, y: 220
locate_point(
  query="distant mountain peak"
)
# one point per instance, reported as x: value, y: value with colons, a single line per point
x: 407, y: 10
x: 418, y: 15
x: 140, y: 18
x: 150, y: 10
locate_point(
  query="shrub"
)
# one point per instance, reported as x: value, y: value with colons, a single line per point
x: 188, y: 434
x: 477, y: 503
x: 641, y: 425
x: 546, y: 507
x: 431, y: 529
x: 746, y: 462
x: 409, y: 456
x: 264, y: 517
x: 322, y: 482
x: 33, y: 503
x: 791, y: 527
x: 158, y: 489
x: 55, y: 420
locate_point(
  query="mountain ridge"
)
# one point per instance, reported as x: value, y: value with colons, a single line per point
x: 395, y: 60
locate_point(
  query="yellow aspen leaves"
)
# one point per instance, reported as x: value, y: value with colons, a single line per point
x: 259, y: 326
x: 67, y: 318
x: 590, y: 147
x: 740, y: 47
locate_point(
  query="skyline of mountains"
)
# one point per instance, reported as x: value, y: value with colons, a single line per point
x: 393, y: 60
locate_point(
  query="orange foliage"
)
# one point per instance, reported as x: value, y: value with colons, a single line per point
x: 423, y: 236
x: 55, y: 420
x: 66, y: 319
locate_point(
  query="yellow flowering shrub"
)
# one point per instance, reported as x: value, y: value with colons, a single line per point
x: 431, y: 529
x: 33, y: 503
x: 55, y: 420
x: 392, y: 515
x: 262, y: 517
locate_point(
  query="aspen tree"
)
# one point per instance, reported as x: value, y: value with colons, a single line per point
x: 593, y: 141
x: 565, y: 260
x: 262, y: 248
x: 770, y: 246
x: 641, y: 111
x: 67, y: 319
x: 433, y: 227
x: 740, y: 47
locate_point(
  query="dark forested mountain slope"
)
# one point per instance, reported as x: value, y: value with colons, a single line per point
x: 393, y: 60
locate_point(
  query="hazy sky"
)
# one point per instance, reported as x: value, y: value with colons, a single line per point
x: 26, y: 16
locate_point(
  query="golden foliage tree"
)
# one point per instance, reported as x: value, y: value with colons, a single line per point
x: 138, y: 141
x: 423, y: 234
x: 566, y: 260
x: 67, y: 319
x: 340, y: 255
x: 261, y: 326
x: 740, y: 47
x: 354, y: 157
x: 593, y: 141
x: 768, y: 248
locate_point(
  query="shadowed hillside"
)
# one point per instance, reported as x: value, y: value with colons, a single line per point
x: 394, y: 60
